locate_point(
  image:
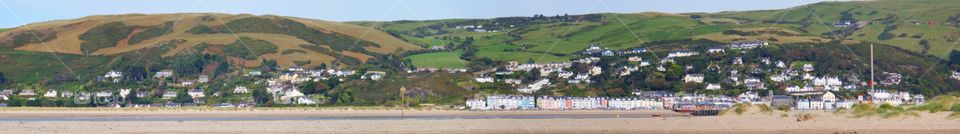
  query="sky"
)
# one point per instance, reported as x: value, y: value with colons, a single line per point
x: 19, y: 12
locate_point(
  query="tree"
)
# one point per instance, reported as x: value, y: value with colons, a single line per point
x: 260, y: 96
x: 3, y: 78
x: 311, y: 87
x: 183, y: 97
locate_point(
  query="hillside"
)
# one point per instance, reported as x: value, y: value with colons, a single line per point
x: 901, y: 23
x: 109, y: 35
x: 928, y: 27
x: 83, y: 48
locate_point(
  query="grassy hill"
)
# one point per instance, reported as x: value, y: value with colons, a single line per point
x: 110, y: 35
x: 83, y: 48
x: 905, y: 23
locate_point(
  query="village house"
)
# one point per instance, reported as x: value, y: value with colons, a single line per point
x: 240, y: 90
x: 891, y: 78
x: 533, y: 87
x: 747, y: 45
x: 187, y: 83
x: 113, y: 75
x: 169, y: 95
x: 513, y: 81
x: 477, y: 104
x: 595, y: 70
x: 695, y: 78
x: 7, y: 92
x: 715, y: 49
x: 594, y: 48
x: 203, y: 79
x: 634, y: 51
x: 551, y: 103
x: 143, y: 94
x: 626, y: 70
x: 738, y: 61
x: 166, y: 73
x: 484, y: 79
x: 713, y: 86
x: 681, y: 53
x: 782, y: 101
x: 196, y: 93
x: 295, y: 69
x: 607, y: 53
x: 374, y: 75
x: 754, y: 84
x: 51, y: 93
x: 781, y: 64
x: 807, y: 67
x: 510, y: 102
x: 103, y: 94
x: 564, y: 74
x: 956, y: 75
x: 255, y: 73
x: 634, y: 59
x: 66, y: 94
x: 27, y: 93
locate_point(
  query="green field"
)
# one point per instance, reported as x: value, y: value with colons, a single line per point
x: 510, y: 53
x: 439, y: 60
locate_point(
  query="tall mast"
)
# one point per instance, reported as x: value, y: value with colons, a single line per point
x: 871, y: 67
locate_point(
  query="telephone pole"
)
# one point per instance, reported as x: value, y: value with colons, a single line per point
x: 403, y: 104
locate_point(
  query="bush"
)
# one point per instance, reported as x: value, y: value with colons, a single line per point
x: 151, y: 32
x: 103, y: 36
x: 249, y: 48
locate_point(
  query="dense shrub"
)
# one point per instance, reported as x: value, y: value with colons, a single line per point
x: 104, y: 36
x: 249, y: 48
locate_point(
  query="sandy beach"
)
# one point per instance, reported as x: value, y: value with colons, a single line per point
x: 430, y: 121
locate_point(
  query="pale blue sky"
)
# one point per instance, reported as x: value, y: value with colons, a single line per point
x: 18, y: 12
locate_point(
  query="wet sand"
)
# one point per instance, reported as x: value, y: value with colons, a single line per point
x: 353, y: 122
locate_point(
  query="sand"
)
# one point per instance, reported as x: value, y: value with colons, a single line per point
x: 423, y: 122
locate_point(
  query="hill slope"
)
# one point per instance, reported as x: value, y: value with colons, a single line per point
x: 289, y: 40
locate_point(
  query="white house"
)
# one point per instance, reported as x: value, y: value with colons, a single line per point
x: 50, y: 93
x: 533, y: 87
x: 169, y: 95
x: 513, y: 81
x: 113, y: 74
x: 477, y: 104
x: 564, y: 74
x: 634, y: 59
x: 807, y: 67
x: 715, y: 50
x: 681, y: 53
x: 484, y: 79
x: 164, y: 74
x: 240, y: 90
x: 203, y: 79
x: 695, y: 78
x: 595, y: 70
x: 747, y: 45
x: 712, y: 86
x: 196, y: 93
